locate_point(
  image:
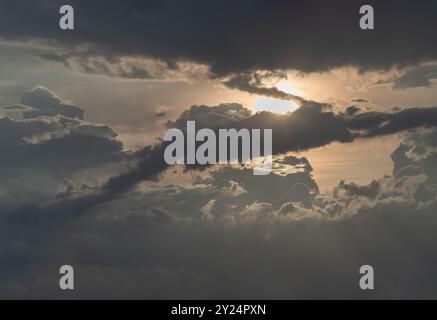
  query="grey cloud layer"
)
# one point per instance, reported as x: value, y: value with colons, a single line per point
x: 237, y: 37
x: 217, y: 240
x: 230, y: 235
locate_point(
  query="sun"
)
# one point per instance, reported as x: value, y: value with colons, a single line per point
x: 273, y: 105
x: 278, y: 105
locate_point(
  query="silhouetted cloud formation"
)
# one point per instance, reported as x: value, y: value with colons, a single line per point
x: 46, y: 103
x: 252, y: 83
x: 312, y: 125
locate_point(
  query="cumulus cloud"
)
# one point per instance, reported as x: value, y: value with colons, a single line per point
x: 50, y: 133
x: 48, y: 140
x: 46, y: 103
x: 353, y: 190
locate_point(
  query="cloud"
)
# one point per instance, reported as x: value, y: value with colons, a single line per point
x: 352, y: 110
x: 359, y: 100
x: 312, y: 125
x: 47, y: 140
x: 352, y: 190
x: 136, y: 68
x: 53, y: 144
x: 208, y: 248
x: 253, y: 83
x: 99, y: 65
x: 48, y: 127
x: 46, y: 103
x: 373, y: 124
x: 308, y: 127
x: 307, y: 36
x: 418, y: 77
x: 228, y: 235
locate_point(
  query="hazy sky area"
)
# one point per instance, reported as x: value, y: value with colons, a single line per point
x: 354, y: 120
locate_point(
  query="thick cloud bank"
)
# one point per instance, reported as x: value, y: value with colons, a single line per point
x: 233, y: 37
x: 228, y: 234
x: 228, y: 237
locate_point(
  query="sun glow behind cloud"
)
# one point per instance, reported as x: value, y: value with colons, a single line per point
x: 273, y: 105
x: 278, y: 105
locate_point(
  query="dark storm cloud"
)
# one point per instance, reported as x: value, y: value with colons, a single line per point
x: 235, y: 37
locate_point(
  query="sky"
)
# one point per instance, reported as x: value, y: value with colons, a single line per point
x: 82, y: 180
